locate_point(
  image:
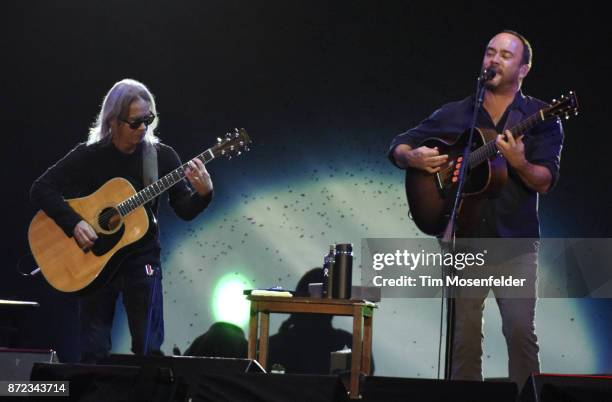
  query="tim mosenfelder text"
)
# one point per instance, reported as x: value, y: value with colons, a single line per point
x: 412, y: 261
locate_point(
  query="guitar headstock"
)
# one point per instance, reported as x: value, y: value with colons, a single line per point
x: 565, y: 107
x: 232, y: 144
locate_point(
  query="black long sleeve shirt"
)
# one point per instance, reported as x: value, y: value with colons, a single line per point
x: 87, y: 167
x: 514, y: 213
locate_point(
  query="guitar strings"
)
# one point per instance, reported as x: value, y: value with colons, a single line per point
x: 106, y: 216
x: 480, y: 155
x: 476, y: 158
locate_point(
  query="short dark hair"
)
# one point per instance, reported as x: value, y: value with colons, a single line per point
x: 527, y: 50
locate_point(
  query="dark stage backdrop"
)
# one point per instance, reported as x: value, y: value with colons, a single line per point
x: 322, y: 88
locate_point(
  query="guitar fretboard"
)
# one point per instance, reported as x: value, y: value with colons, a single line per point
x: 489, y: 149
x: 155, y: 189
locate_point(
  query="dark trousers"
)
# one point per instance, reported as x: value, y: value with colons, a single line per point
x: 517, y: 308
x: 141, y: 288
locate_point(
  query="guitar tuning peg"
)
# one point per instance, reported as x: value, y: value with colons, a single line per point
x: 239, y: 152
x: 554, y: 101
x: 247, y: 149
x: 219, y: 140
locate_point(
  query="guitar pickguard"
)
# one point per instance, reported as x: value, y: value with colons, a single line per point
x: 106, y: 242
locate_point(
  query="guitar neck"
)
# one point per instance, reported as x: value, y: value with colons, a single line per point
x: 160, y: 186
x: 489, y: 149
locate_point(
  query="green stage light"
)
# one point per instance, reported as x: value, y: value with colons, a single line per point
x: 229, y: 304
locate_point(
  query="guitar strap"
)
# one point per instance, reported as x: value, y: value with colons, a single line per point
x: 149, y: 166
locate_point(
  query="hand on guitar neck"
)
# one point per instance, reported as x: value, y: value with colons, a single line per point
x: 84, y: 235
x: 425, y: 158
x: 198, y: 177
x: 513, y: 149
x: 536, y: 177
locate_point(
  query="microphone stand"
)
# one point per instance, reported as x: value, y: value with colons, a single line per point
x: 448, y: 238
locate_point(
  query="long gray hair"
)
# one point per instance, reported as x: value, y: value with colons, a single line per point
x: 116, y: 106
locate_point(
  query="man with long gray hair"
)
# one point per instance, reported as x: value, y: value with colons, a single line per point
x: 122, y: 135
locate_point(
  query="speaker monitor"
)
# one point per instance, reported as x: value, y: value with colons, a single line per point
x: 188, y: 370
x: 258, y: 387
x: 109, y: 382
x: 16, y: 364
x: 390, y: 389
x: 89, y: 382
x: 574, y: 388
x: 187, y: 365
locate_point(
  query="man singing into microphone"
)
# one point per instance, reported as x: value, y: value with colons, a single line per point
x: 533, y: 169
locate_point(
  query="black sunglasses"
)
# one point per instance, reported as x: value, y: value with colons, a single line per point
x: 147, y: 120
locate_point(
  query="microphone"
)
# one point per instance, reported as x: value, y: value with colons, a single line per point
x: 487, y: 74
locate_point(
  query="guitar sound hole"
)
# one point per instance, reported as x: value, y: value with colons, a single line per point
x: 109, y: 219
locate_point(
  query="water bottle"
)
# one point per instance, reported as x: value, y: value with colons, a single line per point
x: 342, y: 273
x: 328, y: 270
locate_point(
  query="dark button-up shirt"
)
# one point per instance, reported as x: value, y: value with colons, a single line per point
x: 514, y: 213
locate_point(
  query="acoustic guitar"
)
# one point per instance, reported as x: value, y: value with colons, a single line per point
x: 431, y: 196
x: 117, y: 213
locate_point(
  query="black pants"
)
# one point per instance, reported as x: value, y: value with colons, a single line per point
x: 141, y: 287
